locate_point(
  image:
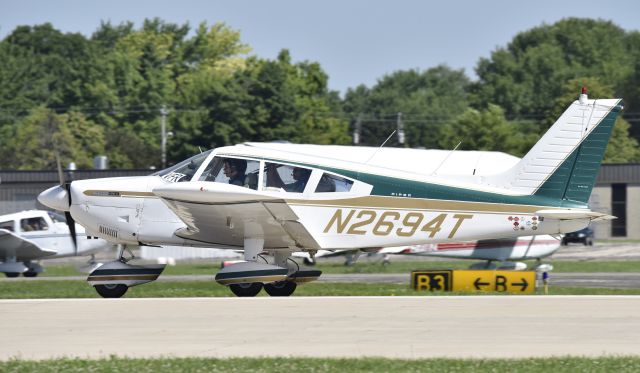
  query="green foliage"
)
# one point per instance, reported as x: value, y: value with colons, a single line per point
x: 427, y: 99
x: 108, y: 91
x: 622, y: 148
x: 529, y: 74
x: 485, y: 130
x: 619, y: 364
x: 32, y: 143
x: 121, y: 77
x: 263, y: 100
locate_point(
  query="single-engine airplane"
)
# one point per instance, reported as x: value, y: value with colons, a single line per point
x: 28, y: 236
x: 282, y: 198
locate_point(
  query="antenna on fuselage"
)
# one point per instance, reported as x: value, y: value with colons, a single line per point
x: 376, y: 152
x: 445, y: 159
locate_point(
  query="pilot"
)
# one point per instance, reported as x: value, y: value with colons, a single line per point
x: 234, y: 169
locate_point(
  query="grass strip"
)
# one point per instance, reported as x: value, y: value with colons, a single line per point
x: 319, y: 365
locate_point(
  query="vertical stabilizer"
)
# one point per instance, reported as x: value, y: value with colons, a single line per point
x: 565, y: 162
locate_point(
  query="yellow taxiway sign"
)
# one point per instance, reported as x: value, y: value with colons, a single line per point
x: 515, y: 282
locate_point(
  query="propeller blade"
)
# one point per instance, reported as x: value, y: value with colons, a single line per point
x: 72, y: 231
x: 70, y: 222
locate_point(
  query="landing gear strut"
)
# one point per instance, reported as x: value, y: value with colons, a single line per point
x: 280, y: 279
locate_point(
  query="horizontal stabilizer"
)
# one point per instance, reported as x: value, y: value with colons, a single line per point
x: 573, y: 214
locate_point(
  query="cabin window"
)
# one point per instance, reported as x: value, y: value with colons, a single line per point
x: 236, y: 171
x: 286, y: 178
x: 184, y: 170
x: 332, y: 183
x: 33, y: 224
x: 8, y: 225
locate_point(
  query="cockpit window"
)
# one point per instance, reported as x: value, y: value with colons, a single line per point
x: 289, y: 178
x: 33, y: 224
x: 184, y: 170
x: 236, y: 171
x: 331, y: 183
x: 8, y: 225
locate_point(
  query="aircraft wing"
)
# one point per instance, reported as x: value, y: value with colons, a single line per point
x: 224, y: 214
x: 23, y: 249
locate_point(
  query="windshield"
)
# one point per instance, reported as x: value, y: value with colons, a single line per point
x: 184, y: 170
x: 57, y: 217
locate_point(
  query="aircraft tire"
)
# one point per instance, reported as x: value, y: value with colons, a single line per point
x: 12, y: 274
x: 30, y: 274
x: 247, y: 289
x: 111, y: 290
x: 280, y: 288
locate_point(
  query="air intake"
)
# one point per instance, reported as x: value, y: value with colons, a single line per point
x: 108, y: 231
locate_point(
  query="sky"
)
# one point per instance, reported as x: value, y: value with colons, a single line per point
x: 355, y: 41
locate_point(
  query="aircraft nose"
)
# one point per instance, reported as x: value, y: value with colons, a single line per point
x: 56, y: 198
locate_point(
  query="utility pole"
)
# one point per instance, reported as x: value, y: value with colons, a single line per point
x: 400, y: 129
x: 357, y: 129
x: 163, y: 134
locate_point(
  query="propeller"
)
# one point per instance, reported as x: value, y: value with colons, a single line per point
x: 67, y: 214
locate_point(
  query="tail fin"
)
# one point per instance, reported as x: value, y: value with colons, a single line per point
x: 565, y: 162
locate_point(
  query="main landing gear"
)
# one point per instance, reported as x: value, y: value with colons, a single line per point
x: 113, y: 279
x: 245, y: 279
x: 248, y: 278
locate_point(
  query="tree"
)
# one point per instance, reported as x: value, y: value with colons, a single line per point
x: 622, y: 148
x: 527, y: 76
x: 263, y: 100
x: 426, y: 100
x: 34, y: 142
x: 485, y: 129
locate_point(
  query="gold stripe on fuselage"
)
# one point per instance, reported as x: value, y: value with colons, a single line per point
x: 378, y: 202
x: 118, y: 193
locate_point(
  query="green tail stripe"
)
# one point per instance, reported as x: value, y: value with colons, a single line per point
x: 575, y: 177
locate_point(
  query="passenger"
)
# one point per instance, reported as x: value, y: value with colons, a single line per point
x: 300, y: 175
x: 234, y: 169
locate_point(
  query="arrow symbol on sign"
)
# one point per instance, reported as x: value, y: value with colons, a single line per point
x: 522, y: 284
x: 477, y: 283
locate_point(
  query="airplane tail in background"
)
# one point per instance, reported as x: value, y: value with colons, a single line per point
x: 565, y: 162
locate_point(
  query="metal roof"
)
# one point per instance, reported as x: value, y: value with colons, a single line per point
x: 624, y: 173
x: 15, y: 176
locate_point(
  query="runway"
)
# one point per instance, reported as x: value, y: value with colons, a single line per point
x: 394, y: 327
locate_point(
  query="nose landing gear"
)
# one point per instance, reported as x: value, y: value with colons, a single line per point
x: 113, y: 279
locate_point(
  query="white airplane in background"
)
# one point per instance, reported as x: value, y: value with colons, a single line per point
x: 283, y: 198
x: 28, y: 236
x: 497, y: 253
